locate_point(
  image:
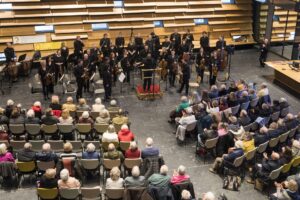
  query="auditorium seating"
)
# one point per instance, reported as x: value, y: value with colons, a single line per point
x: 71, y: 18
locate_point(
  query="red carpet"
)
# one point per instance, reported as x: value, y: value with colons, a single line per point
x: 140, y: 90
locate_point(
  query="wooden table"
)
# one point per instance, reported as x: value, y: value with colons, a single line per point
x: 285, y: 74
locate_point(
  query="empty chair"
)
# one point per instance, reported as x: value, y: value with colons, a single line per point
x: 33, y: 130
x: 250, y: 155
x: 209, y: 146
x: 84, y: 129
x: 262, y: 147
x: 25, y: 168
x: 77, y: 146
x: 17, y: 145
x: 100, y: 128
x: 69, y: 193
x: 114, y: 193
x: 37, y: 144
x: 91, y: 193
x: 65, y: 129
x: 44, y: 193
x: 49, y: 129
x: 56, y: 145
x: 17, y: 129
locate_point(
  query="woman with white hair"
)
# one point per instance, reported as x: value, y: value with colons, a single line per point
x: 5, y: 156
x: 133, y: 151
x: 30, y: 118
x: 110, y: 135
x: 103, y: 117
x: 180, y: 175
x: 184, y: 103
x: 114, y: 181
x: 37, y: 108
x: 98, y: 106
x: 82, y: 105
x: 160, y: 180
x: 208, y: 196
x: 69, y: 105
x: 125, y: 135
x: 135, y: 180
x: 85, y: 118
x: 186, y: 195
x: 67, y: 182
x: 9, y: 107
x: 90, y: 152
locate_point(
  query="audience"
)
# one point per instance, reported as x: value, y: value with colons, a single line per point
x: 67, y: 182
x: 135, y: 180
x: 113, y: 106
x: 98, y: 106
x: 91, y: 152
x: 68, y: 151
x: 46, y: 154
x: 120, y: 118
x: 26, y: 154
x: 82, y: 106
x: 179, y: 175
x: 30, y: 118
x: 160, y: 180
x: 37, y: 108
x: 150, y: 151
x: 114, y: 181
x: 103, y: 117
x: 5, y: 156
x: 208, y: 196
x: 48, y: 118
x: 65, y: 117
x: 48, y: 180
x: 112, y: 153
x: 125, y: 135
x: 69, y: 105
x: 110, y: 135
x: 85, y: 118
x: 3, y: 118
x: 244, y: 119
x: 133, y: 151
x: 55, y: 106
x: 16, y: 117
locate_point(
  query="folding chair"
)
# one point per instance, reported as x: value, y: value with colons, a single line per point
x: 25, y: 168
x: 124, y: 145
x: 129, y: 163
x: 94, y: 114
x: 37, y: 144
x: 17, y: 145
x: 100, y: 128
x: 65, y: 129
x: 84, y: 129
x: 108, y: 164
x: 69, y: 193
x: 96, y: 143
x: 17, y: 129
x: 105, y: 145
x: 292, y: 132
x: 77, y: 146
x: 56, y: 145
x: 47, y: 194
x: 209, y: 146
x: 283, y: 137
x: 244, y: 106
x: 33, y: 130
x: 91, y: 193
x: 114, y: 193
x: 49, y: 130
x: 273, y: 142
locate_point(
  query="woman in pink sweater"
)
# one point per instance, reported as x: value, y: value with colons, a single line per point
x: 179, y: 175
x: 4, y: 155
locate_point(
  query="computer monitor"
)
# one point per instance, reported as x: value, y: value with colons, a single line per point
x: 2, y: 57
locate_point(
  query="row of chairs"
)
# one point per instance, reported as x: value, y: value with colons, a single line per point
x: 93, y: 114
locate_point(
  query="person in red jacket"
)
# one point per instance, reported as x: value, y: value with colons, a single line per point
x: 125, y: 135
x: 133, y: 151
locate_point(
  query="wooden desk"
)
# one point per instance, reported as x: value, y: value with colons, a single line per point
x: 285, y: 75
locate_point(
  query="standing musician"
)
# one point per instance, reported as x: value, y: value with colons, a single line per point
x: 186, y: 74
x: 150, y: 43
x: 264, y: 48
x: 221, y: 43
x: 204, y: 42
x: 143, y: 54
x: 107, y: 79
x: 78, y: 48
x: 58, y: 62
x: 105, y: 45
x: 125, y: 64
x: 163, y: 54
x: 156, y: 45
x: 11, y: 63
x: 184, y: 48
x: 120, y: 43
x: 149, y: 64
x: 93, y: 55
x: 138, y: 41
x: 200, y: 68
x: 176, y: 39
x: 132, y: 55
x: 163, y: 65
x: 65, y: 54
x: 79, y: 75
x: 113, y: 67
x: 172, y: 67
x: 214, y: 74
x: 189, y: 38
x: 166, y: 43
x: 46, y: 74
x: 87, y: 72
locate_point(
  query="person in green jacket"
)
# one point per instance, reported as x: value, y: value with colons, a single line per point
x: 177, y: 112
x: 161, y: 179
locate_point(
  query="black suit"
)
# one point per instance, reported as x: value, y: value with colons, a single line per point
x: 107, y: 82
x: 78, y: 72
x: 176, y: 39
x: 9, y: 54
x: 221, y: 44
x: 204, y: 42
x: 105, y: 46
x: 263, y: 55
x: 149, y: 64
x: 186, y: 74
x: 78, y: 48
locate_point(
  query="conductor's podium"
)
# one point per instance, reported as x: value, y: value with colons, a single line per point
x: 142, y: 95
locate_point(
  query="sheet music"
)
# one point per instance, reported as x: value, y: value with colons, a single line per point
x: 122, y: 77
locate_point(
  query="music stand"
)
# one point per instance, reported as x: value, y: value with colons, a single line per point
x: 153, y: 76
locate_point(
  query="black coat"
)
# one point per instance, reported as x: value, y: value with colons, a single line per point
x: 9, y: 54
x: 26, y: 155
x: 186, y: 72
x: 48, y: 183
x: 260, y: 139
x: 78, y: 46
x: 204, y: 42
x: 119, y: 41
x: 148, y: 64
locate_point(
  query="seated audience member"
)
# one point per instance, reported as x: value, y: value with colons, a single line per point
x: 283, y: 103
x: 214, y: 93
x: 186, y: 195
x: 204, y: 96
x: 264, y: 169
x: 233, y: 153
x: 222, y: 129
x: 133, y: 151
x: 177, y: 112
x: 252, y: 94
x: 150, y: 151
x: 48, y: 118
x: 275, y: 106
x: 67, y: 182
x: 265, y: 110
x: 98, y: 106
x: 125, y: 135
x: 286, y: 155
x: 244, y: 119
x: 223, y: 90
x: 253, y: 114
x: 223, y: 104
x: 68, y: 151
x: 233, y: 123
x: 120, y: 118
x: 5, y: 156
x: 248, y: 142
x: 209, y: 133
x: 103, y: 117
x: 69, y: 105
x: 209, y: 196
x: 65, y: 117
x: 26, y: 154
x: 263, y: 91
x: 286, y: 191
x: 110, y: 135
x: 112, y: 153
x: 3, y: 118
x: 273, y: 130
x: 290, y: 121
x: 296, y: 148
x: 85, y: 118
x: 194, y: 98
x: 241, y: 85
x: 48, y: 180
x: 114, y: 181
x: 187, y: 117
x: 281, y: 127
x: 244, y: 98
x: 10, y: 104
x: 214, y: 108
x: 16, y: 117
x: 37, y: 108
x: 82, y: 106
x: 46, y: 154
x: 113, y: 106
x: 261, y: 136
x: 160, y: 180
x: 30, y: 118
x: 232, y: 100
x: 180, y: 175
x: 90, y: 152
x: 55, y: 106
x: 135, y: 180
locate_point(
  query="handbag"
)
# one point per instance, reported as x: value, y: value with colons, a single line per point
x: 3, y: 133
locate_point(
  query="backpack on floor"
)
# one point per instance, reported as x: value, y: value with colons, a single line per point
x: 231, y: 183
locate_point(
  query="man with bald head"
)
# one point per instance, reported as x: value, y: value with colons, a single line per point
x: 46, y: 154
x: 290, y: 121
x: 26, y: 154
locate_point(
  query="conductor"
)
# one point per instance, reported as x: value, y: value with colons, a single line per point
x: 149, y: 65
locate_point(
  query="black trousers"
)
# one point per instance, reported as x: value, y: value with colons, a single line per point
x: 185, y: 82
x: 172, y: 77
x: 79, y: 88
x: 127, y: 73
x: 262, y: 60
x: 45, y: 89
x: 86, y: 85
x: 147, y: 84
x: 107, y: 90
x: 213, y: 80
